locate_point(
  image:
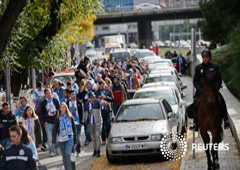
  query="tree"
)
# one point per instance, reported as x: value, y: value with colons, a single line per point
x: 220, y: 18
x: 8, y: 19
x: 44, y: 31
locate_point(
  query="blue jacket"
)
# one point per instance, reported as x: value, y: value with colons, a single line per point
x: 17, y: 158
x: 59, y: 92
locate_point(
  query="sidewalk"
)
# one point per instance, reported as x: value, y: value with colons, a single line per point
x: 229, y: 159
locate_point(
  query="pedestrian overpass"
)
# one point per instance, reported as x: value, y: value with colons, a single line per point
x: 145, y: 18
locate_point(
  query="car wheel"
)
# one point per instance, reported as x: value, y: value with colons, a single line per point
x: 139, y: 10
x: 110, y: 159
x: 155, y: 9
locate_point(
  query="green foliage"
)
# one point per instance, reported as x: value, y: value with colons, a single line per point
x: 3, y: 6
x: 220, y: 18
x: 27, y: 47
x: 228, y: 59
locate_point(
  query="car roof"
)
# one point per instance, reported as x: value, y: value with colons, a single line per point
x: 120, y: 50
x: 159, y: 74
x: 157, y: 84
x: 156, y: 88
x: 64, y: 74
x: 142, y: 101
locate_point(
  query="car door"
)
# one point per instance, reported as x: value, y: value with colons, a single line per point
x: 172, y: 117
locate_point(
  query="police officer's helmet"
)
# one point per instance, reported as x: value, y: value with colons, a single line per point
x: 206, y: 53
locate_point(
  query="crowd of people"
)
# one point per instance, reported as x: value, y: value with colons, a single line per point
x: 60, y: 111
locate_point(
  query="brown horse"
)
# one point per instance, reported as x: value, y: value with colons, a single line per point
x: 210, y: 119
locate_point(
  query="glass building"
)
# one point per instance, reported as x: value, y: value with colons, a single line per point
x: 117, y: 5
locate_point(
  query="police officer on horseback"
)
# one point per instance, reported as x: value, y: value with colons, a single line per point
x: 206, y: 67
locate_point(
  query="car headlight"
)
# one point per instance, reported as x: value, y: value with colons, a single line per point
x: 116, y: 140
x: 156, y: 137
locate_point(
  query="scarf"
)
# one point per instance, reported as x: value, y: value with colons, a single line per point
x: 74, y: 111
x: 90, y: 119
x: 51, y: 109
x: 65, y: 126
x: 29, y: 127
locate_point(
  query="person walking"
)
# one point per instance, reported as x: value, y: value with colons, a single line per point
x: 119, y: 94
x: 49, y: 108
x: 94, y: 121
x: 27, y: 140
x: 105, y: 94
x: 75, y: 105
x: 64, y: 128
x: 32, y: 123
x: 18, y: 156
x: 7, y: 119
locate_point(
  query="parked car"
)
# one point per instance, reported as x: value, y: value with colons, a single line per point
x: 63, y: 77
x: 119, y: 55
x: 147, y: 7
x: 142, y: 53
x: 138, y: 130
x: 171, y: 95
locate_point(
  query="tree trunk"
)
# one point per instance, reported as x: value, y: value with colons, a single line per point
x: 8, y: 21
x: 16, y: 81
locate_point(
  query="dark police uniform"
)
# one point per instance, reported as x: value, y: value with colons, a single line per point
x: 18, y: 158
x: 204, y: 70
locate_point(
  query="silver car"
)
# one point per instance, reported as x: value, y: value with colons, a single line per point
x: 138, y: 130
x: 170, y: 93
x: 147, y: 7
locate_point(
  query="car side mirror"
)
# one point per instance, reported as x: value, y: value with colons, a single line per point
x: 183, y: 95
x: 182, y: 103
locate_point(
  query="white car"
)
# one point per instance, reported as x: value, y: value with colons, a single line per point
x: 147, y: 7
x: 138, y: 130
x: 171, y: 95
x: 63, y: 77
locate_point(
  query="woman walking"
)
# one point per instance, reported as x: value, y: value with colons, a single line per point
x: 30, y: 120
x: 64, y: 127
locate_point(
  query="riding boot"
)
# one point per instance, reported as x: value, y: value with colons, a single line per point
x: 224, y: 112
x: 195, y: 121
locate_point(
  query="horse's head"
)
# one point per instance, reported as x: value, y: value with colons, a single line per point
x: 208, y: 83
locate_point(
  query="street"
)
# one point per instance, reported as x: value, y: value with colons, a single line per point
x: 86, y: 161
x: 107, y: 85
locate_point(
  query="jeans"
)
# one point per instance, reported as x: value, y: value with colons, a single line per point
x: 106, y: 125
x: 5, y: 143
x: 116, y: 107
x: 95, y: 131
x: 49, y: 131
x: 87, y: 134
x: 78, y: 133
x: 66, y: 148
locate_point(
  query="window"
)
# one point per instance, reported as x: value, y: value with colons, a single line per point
x: 167, y: 106
x: 140, y: 112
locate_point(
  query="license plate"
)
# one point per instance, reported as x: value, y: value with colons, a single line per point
x: 135, y: 146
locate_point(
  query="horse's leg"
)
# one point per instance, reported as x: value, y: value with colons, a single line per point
x: 216, y: 139
x: 206, y: 140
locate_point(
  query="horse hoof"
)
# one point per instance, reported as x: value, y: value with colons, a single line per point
x: 216, y: 167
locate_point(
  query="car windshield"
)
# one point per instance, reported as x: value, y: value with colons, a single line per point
x: 167, y: 94
x: 108, y: 50
x: 140, y: 112
x: 160, y: 79
x: 118, y: 57
x: 146, y: 53
x: 163, y: 61
x: 63, y: 78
